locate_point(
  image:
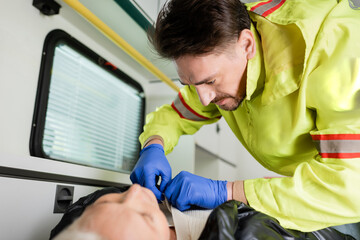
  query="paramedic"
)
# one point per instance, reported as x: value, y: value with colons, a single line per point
x: 285, y: 75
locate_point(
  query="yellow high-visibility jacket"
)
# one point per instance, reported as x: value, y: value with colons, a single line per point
x: 301, y: 114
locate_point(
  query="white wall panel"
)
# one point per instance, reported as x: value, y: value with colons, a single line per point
x: 27, y: 208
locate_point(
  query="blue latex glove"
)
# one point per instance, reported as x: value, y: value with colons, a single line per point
x: 152, y: 164
x: 187, y: 190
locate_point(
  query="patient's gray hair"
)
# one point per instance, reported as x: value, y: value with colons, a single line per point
x: 73, y: 232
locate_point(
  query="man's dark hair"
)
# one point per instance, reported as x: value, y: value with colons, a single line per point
x: 197, y: 26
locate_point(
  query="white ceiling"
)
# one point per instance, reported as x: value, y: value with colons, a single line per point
x: 119, y: 21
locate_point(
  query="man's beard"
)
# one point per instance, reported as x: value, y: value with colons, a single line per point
x: 235, y: 102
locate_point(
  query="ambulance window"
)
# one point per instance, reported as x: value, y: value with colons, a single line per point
x: 87, y: 111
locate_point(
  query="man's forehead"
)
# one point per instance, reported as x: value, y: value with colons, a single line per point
x: 197, y: 80
x: 194, y: 69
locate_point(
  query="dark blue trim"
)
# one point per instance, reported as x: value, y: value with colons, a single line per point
x: 135, y: 14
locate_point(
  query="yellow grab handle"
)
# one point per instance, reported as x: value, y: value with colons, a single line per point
x: 112, y: 35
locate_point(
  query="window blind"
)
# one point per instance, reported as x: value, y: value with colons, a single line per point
x: 93, y: 118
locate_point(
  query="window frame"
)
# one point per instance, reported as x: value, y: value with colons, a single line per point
x: 42, y: 95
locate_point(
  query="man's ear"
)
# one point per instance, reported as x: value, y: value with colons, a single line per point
x: 246, y: 42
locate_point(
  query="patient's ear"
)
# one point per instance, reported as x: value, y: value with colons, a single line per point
x: 172, y: 233
x: 246, y: 42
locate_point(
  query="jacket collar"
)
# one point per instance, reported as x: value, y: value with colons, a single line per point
x: 274, y: 70
x: 255, y: 68
x: 284, y: 13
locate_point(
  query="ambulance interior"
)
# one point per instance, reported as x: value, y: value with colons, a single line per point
x: 77, y: 80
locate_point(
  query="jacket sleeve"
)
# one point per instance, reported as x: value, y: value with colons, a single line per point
x: 325, y: 190
x: 185, y: 115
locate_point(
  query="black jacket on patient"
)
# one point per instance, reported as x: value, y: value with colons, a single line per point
x: 236, y: 220
x: 231, y: 220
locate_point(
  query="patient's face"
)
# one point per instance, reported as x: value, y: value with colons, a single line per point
x: 134, y: 214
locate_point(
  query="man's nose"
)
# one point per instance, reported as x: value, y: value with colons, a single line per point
x: 206, y: 94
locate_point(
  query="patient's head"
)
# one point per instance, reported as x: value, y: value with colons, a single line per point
x: 134, y: 214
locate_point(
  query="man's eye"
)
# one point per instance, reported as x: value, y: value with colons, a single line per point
x: 182, y: 83
x: 211, y: 82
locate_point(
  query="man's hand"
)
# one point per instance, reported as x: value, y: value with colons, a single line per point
x: 187, y: 189
x: 152, y: 164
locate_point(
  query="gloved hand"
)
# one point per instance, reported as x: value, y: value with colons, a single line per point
x: 152, y: 164
x: 187, y: 189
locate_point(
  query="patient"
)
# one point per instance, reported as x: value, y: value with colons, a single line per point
x: 134, y: 213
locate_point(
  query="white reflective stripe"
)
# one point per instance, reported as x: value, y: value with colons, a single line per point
x: 267, y: 6
x: 185, y: 112
x: 249, y: 1
x: 354, y: 4
x: 338, y: 146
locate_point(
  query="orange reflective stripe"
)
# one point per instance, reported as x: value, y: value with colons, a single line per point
x: 265, y: 8
x: 336, y: 137
x: 338, y: 145
x: 340, y: 155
